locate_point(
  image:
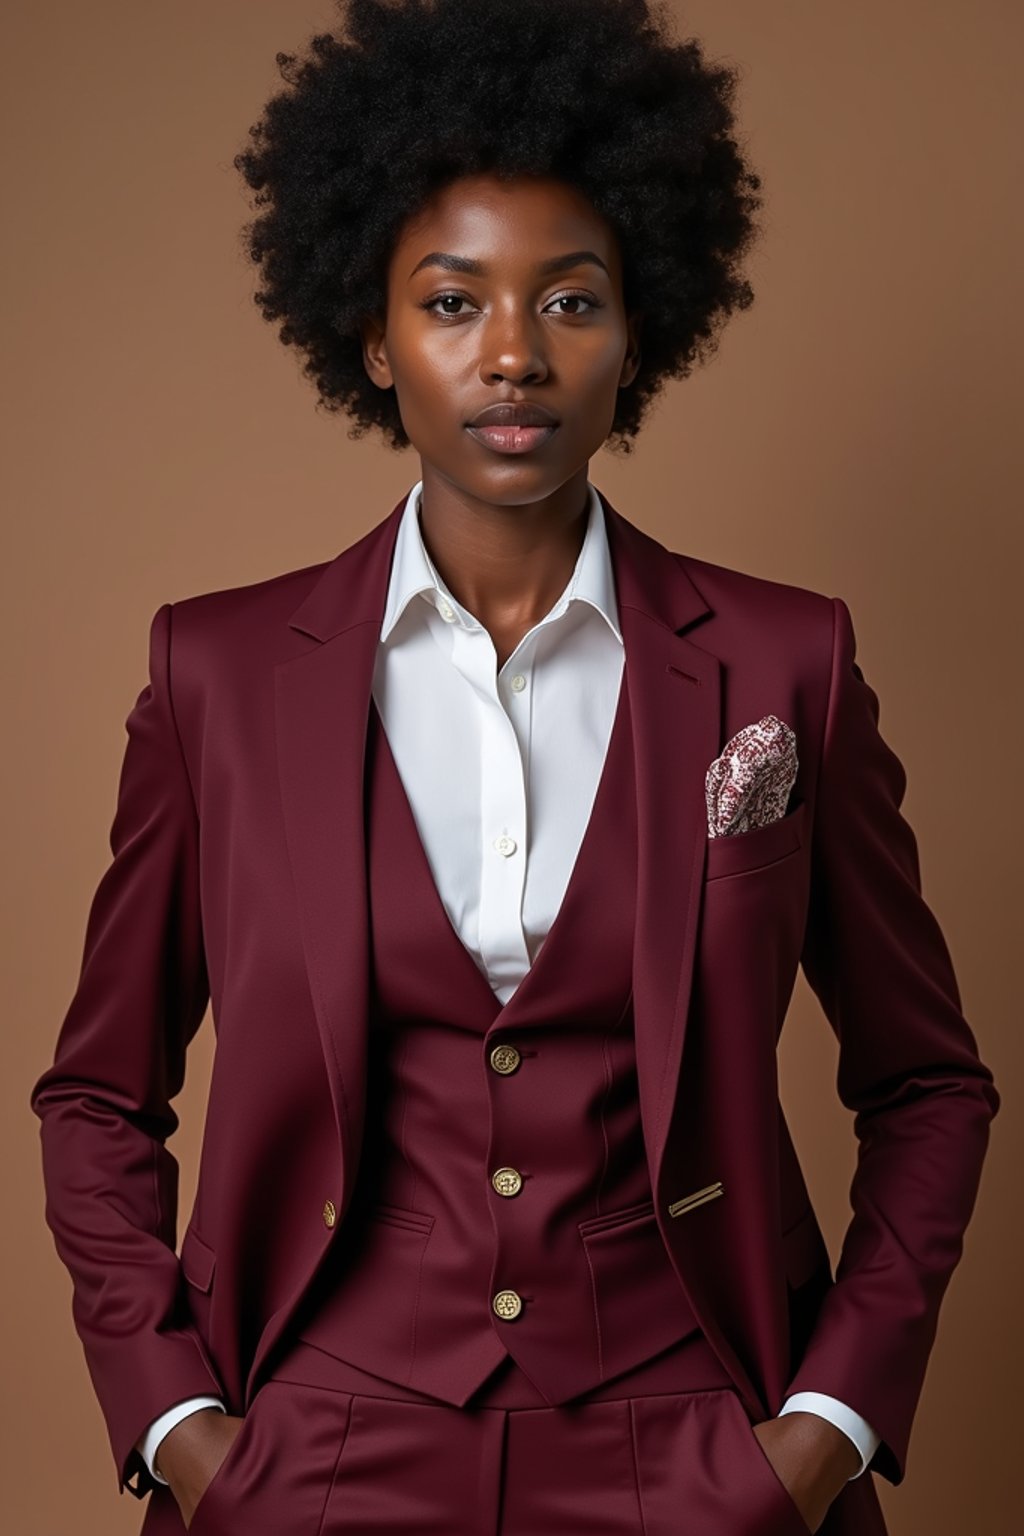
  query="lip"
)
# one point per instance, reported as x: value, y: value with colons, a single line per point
x: 512, y: 439
x: 514, y: 413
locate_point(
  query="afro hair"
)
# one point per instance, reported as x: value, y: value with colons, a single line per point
x: 412, y: 94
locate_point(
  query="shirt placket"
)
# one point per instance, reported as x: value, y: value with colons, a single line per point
x: 503, y: 811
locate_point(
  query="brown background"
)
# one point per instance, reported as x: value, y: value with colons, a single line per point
x: 858, y: 433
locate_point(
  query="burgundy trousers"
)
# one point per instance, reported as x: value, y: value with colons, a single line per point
x: 329, y: 1450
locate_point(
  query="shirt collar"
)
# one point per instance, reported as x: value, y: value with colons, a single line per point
x: 413, y: 572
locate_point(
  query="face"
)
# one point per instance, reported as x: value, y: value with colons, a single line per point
x: 505, y: 292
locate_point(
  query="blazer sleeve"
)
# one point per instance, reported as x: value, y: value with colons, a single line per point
x: 908, y: 1069
x: 104, y: 1105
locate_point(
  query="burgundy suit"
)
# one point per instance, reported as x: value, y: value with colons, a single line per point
x: 239, y: 877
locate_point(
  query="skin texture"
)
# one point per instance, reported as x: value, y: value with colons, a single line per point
x: 504, y: 531
x: 192, y: 1453
x: 812, y: 1458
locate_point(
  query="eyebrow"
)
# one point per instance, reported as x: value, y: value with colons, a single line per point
x: 452, y: 263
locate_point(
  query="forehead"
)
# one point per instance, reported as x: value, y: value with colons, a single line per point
x: 504, y: 224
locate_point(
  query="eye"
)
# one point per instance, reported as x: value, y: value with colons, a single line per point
x: 459, y: 298
x: 579, y: 298
x: 440, y: 298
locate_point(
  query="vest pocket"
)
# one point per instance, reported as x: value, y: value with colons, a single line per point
x: 402, y: 1216
x: 640, y: 1307
x: 617, y: 1218
x: 365, y: 1305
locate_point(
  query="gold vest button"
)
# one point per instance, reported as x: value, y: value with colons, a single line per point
x: 330, y: 1213
x: 507, y: 1181
x: 505, y: 1058
x: 507, y: 1304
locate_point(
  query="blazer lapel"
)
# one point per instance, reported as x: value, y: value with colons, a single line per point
x: 322, y: 707
x: 675, y: 703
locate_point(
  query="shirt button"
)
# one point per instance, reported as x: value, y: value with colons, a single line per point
x: 329, y: 1213
x: 505, y: 844
x: 507, y: 1181
x: 505, y: 1059
x: 507, y: 1304
x: 518, y: 683
x: 446, y: 610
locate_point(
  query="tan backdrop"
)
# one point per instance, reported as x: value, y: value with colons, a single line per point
x: 859, y: 433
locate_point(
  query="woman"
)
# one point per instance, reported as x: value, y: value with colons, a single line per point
x: 496, y: 843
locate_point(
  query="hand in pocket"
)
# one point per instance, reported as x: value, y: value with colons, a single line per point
x: 810, y: 1457
x: 192, y: 1454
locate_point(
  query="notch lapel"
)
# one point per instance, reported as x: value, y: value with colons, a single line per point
x: 675, y: 702
x: 322, y: 706
x: 676, y: 705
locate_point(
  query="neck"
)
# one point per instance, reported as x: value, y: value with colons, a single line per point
x: 505, y: 563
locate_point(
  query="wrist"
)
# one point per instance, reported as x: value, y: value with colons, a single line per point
x: 180, y: 1442
x: 829, y: 1449
x: 152, y: 1438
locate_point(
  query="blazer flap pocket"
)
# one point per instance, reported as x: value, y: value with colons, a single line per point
x: 736, y: 853
x: 198, y: 1260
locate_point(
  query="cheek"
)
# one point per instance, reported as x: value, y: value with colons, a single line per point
x: 592, y: 371
x: 429, y: 379
x: 593, y: 386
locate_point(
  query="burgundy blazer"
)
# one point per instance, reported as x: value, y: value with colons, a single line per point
x: 238, y: 879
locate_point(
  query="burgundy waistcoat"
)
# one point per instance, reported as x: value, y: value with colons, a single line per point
x: 503, y: 1204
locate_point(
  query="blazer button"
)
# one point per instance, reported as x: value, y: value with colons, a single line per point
x: 505, y: 1058
x: 507, y: 1181
x: 507, y: 1304
x: 330, y: 1213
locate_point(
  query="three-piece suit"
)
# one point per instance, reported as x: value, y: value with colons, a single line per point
x: 534, y: 1267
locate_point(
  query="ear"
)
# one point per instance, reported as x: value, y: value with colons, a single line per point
x: 631, y: 361
x: 375, y: 352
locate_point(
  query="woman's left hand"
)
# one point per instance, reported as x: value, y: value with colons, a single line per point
x: 811, y: 1457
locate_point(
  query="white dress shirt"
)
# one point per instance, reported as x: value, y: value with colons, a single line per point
x: 501, y: 769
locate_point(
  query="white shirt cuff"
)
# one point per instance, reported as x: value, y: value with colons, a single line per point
x: 166, y: 1422
x: 843, y: 1417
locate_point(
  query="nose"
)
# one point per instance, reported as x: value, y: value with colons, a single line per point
x: 513, y: 346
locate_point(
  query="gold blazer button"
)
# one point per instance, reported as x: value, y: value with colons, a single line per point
x: 507, y: 1304
x: 330, y: 1213
x: 505, y: 1058
x: 507, y: 1181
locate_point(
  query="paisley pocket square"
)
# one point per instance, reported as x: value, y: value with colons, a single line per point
x: 748, y: 786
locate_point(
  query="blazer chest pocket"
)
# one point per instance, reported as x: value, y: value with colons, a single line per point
x: 741, y: 852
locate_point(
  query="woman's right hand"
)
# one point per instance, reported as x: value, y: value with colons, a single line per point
x: 191, y: 1454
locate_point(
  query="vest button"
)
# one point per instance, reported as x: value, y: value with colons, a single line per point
x: 505, y: 1058
x: 507, y: 1181
x: 330, y: 1213
x: 507, y: 1304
